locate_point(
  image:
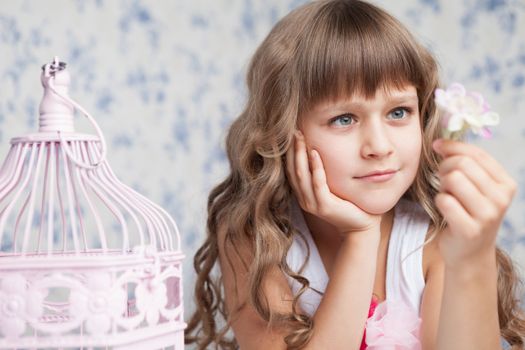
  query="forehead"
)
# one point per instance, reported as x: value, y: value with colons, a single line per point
x: 387, y: 95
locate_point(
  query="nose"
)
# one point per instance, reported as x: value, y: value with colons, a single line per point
x: 375, y: 141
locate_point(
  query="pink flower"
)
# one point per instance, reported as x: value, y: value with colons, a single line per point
x: 393, y: 326
x: 463, y: 111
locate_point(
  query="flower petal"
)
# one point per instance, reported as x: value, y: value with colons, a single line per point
x: 478, y: 99
x: 456, y: 89
x: 441, y: 98
x: 489, y: 119
x: 462, y: 110
x: 486, y: 133
x: 473, y: 120
x: 455, y: 123
x: 471, y: 104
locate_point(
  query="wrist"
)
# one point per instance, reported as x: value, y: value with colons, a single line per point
x: 478, y: 269
x: 362, y: 241
x: 355, y: 252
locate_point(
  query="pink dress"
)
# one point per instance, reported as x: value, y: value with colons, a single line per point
x: 391, y: 326
x: 373, y: 306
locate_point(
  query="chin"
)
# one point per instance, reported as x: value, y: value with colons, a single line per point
x: 376, y: 206
x: 376, y: 203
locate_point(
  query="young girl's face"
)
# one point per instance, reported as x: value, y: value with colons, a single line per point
x: 370, y: 148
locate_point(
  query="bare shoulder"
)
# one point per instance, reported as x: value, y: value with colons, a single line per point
x: 251, y: 330
x: 434, y: 270
x: 432, y: 259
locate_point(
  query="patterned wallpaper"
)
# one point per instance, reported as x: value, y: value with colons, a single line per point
x: 165, y: 78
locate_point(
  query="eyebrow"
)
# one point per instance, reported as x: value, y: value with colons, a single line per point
x: 403, y: 98
x: 391, y: 99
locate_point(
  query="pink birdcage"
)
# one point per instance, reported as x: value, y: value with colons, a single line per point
x: 85, y: 261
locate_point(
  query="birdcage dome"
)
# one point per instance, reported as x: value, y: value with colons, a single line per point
x: 86, y: 260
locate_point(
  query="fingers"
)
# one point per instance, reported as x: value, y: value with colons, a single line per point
x: 475, y: 192
x: 454, y: 212
x: 299, y: 171
x: 307, y: 176
x: 320, y: 187
x: 448, y: 148
x: 458, y: 166
x: 489, y: 177
x: 459, y: 185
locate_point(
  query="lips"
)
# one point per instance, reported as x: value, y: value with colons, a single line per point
x: 378, y: 175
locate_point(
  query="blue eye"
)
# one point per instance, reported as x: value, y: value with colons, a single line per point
x: 399, y: 113
x: 343, y: 120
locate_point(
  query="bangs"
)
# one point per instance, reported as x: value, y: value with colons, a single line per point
x: 355, y: 48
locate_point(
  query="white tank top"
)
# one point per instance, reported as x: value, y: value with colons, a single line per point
x: 404, y: 272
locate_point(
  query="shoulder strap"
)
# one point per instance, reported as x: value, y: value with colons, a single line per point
x: 313, y: 269
x: 404, y: 276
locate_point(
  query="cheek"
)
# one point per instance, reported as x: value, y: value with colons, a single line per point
x: 409, y: 150
x: 338, y: 162
x: 340, y: 167
x: 337, y: 173
x: 338, y: 158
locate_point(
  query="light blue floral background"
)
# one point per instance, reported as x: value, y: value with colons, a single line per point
x: 164, y: 79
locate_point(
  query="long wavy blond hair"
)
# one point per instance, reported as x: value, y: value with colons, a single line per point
x: 320, y: 50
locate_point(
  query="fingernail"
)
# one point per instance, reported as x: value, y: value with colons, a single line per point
x: 437, y: 144
x: 299, y: 133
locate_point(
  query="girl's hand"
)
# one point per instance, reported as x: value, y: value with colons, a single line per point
x: 475, y: 192
x: 308, y: 180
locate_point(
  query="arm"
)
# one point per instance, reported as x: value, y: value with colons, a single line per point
x: 340, y: 318
x: 469, y: 310
x: 464, y: 310
x: 432, y: 295
x: 251, y: 331
x: 474, y: 195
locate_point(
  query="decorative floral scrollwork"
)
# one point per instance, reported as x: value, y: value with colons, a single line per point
x: 151, y: 299
x: 100, y: 303
x: 19, y: 303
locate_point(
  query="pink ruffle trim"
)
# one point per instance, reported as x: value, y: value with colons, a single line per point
x: 391, y: 326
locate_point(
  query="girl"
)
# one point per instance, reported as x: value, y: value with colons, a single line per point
x: 343, y: 211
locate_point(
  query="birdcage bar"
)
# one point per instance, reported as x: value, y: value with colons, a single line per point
x: 71, y: 195
x: 63, y: 226
x: 144, y: 204
x: 11, y: 185
x: 153, y: 222
x: 31, y: 199
x: 104, y: 184
x: 84, y: 178
x: 5, y: 172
